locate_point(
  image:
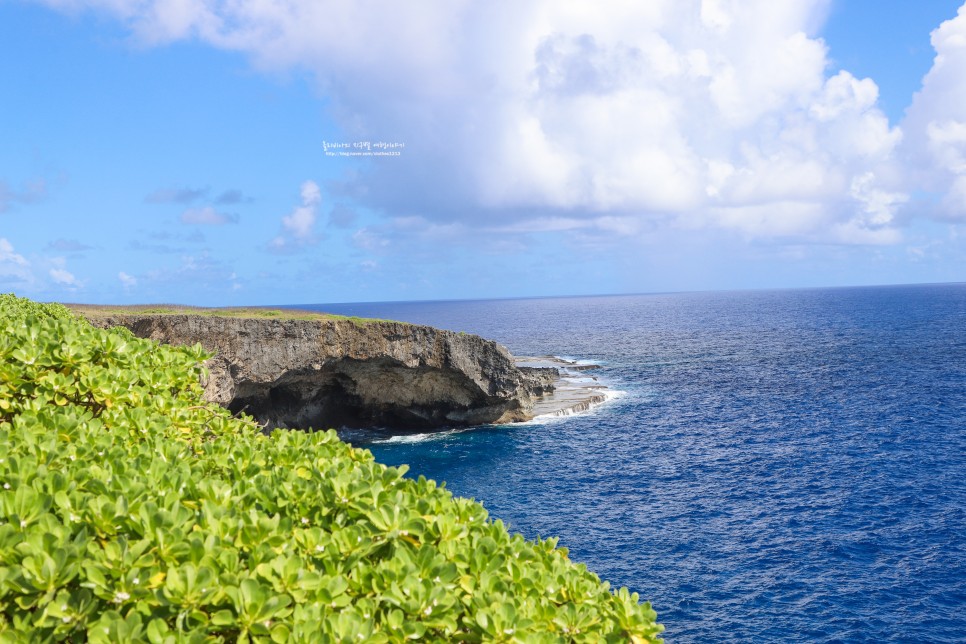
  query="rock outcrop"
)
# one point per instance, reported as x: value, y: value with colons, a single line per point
x: 324, y: 373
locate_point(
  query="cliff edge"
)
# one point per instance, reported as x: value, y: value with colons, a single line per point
x: 323, y: 372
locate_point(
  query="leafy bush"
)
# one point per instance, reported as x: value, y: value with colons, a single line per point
x: 20, y: 308
x: 130, y: 510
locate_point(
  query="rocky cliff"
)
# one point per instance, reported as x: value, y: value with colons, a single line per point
x: 324, y: 373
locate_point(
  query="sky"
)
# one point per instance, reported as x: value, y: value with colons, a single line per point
x: 258, y: 152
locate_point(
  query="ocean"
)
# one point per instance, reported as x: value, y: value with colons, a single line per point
x: 778, y: 466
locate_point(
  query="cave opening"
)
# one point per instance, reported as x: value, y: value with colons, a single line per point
x: 331, y: 399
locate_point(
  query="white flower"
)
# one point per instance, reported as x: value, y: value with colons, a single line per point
x: 121, y: 597
x: 305, y: 521
x: 319, y: 548
x: 6, y: 486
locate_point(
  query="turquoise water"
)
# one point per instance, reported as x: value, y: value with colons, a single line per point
x: 782, y: 465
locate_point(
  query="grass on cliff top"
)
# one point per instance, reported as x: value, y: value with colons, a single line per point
x: 243, y: 312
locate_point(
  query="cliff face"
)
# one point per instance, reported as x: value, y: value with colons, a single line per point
x: 323, y: 373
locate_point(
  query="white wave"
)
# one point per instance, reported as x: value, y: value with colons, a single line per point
x: 423, y: 438
x: 608, y: 396
x: 582, y: 362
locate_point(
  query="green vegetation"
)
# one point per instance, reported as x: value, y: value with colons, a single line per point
x: 130, y: 510
x: 251, y: 312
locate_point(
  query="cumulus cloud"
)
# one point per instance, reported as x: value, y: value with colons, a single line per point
x: 936, y: 122
x: 63, y: 277
x: 128, y: 281
x: 207, y: 216
x: 298, y: 227
x: 688, y: 113
x: 45, y: 273
x: 15, y: 271
x: 8, y: 256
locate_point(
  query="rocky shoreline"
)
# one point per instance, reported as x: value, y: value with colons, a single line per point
x: 325, y: 372
x: 575, y: 390
x: 321, y: 371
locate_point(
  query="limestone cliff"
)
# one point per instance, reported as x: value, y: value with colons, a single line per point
x: 324, y: 373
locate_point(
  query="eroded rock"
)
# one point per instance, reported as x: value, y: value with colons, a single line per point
x: 323, y: 373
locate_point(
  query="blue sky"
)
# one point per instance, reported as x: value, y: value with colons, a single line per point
x: 176, y: 150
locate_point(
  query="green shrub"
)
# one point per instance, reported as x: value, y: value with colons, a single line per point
x: 130, y: 510
x: 19, y: 309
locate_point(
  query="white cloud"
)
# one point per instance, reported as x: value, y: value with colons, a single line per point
x: 129, y: 281
x: 15, y: 270
x: 207, y: 216
x: 298, y: 228
x: 878, y: 205
x: 302, y: 219
x: 8, y: 256
x: 369, y: 240
x: 63, y: 277
x: 690, y: 113
x: 936, y: 122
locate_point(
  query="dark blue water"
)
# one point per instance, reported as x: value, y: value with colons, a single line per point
x: 785, y: 466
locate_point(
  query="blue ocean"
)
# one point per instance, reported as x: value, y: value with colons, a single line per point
x: 780, y: 466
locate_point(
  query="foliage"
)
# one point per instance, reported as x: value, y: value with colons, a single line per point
x: 19, y: 309
x: 132, y: 511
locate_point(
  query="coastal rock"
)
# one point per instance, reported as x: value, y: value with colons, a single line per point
x: 572, y: 391
x: 322, y: 373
